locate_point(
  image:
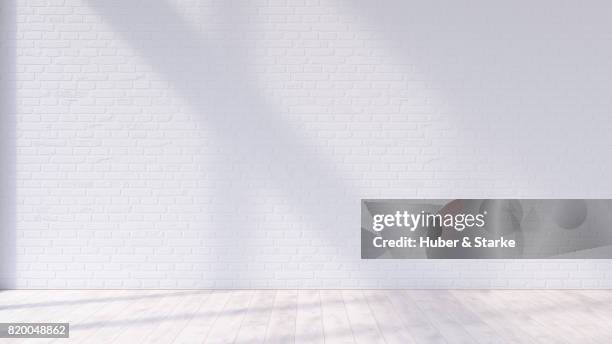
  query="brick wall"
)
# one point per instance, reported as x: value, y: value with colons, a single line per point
x: 7, y: 145
x: 196, y: 144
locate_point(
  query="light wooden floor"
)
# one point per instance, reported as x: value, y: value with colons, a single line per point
x: 313, y: 316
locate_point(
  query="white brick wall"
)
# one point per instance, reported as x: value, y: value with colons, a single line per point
x: 184, y: 144
x: 7, y: 145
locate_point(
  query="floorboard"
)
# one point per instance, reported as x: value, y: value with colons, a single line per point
x: 336, y: 325
x: 309, y: 318
x: 316, y: 316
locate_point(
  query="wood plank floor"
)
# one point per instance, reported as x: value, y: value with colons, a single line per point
x: 316, y: 316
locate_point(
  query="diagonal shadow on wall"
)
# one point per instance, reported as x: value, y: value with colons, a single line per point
x: 254, y: 139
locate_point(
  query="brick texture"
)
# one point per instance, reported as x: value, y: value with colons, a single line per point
x: 201, y: 144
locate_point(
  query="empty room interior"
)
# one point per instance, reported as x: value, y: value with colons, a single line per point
x: 305, y: 171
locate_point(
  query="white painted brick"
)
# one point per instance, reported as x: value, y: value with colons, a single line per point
x: 195, y: 154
